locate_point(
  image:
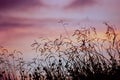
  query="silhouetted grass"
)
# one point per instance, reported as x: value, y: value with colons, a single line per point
x: 83, y: 56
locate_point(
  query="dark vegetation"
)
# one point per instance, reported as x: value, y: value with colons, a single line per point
x: 84, y: 56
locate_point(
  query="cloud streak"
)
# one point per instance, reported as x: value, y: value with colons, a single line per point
x: 81, y: 3
x: 8, y: 22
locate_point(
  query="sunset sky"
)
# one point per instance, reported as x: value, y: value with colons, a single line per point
x: 23, y: 21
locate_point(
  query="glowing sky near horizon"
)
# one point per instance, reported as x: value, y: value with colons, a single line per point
x: 22, y: 21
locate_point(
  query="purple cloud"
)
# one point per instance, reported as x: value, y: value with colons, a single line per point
x: 81, y: 3
x: 11, y: 4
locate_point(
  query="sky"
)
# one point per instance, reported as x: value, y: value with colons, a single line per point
x: 23, y: 21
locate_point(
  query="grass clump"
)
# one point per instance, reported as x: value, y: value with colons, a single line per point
x: 84, y: 56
